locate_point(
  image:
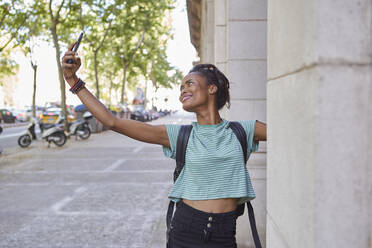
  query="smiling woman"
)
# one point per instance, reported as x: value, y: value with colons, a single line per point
x: 214, y: 184
x: 205, y: 76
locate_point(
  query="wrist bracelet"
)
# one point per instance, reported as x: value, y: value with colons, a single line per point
x: 77, y: 86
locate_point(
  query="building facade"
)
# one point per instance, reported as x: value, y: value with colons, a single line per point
x: 304, y: 68
x: 232, y: 35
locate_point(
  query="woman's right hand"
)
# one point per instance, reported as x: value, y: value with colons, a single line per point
x: 69, y: 70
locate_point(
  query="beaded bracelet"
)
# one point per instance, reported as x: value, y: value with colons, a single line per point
x: 79, y: 85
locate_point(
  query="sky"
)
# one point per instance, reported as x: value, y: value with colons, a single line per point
x: 180, y: 53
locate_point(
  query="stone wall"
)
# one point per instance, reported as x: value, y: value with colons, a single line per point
x: 319, y: 109
x: 233, y: 36
x: 319, y: 113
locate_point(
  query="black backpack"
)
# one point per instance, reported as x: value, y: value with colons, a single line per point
x: 183, y: 138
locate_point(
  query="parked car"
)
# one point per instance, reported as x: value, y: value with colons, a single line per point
x: 7, y: 116
x: 21, y: 115
x: 38, y: 112
x: 138, y: 116
x: 51, y: 115
x: 138, y: 113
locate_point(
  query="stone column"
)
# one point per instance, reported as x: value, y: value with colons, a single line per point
x: 246, y: 49
x: 319, y: 109
x: 207, y: 29
x: 246, y: 69
x: 220, y: 35
x: 233, y: 36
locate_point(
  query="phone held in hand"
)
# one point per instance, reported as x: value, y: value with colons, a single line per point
x: 76, y: 46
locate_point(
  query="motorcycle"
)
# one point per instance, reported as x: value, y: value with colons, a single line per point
x: 51, y: 133
x: 80, y: 128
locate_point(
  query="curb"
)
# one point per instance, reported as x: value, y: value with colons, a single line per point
x: 9, y: 125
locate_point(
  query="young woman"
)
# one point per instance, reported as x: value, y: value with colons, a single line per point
x: 215, y: 179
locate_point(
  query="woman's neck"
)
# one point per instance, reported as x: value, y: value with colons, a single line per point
x: 208, y: 118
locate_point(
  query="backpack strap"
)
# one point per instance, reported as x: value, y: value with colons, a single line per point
x: 242, y: 137
x: 182, y: 140
x: 252, y: 222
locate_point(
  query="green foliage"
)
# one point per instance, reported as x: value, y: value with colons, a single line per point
x: 13, y: 32
x: 125, y: 40
x: 13, y: 19
x: 7, y: 66
x: 139, y: 35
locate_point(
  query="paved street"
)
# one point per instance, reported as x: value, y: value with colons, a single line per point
x: 10, y: 134
x: 107, y: 191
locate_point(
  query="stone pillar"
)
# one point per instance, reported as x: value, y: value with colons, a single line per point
x: 220, y: 35
x: 319, y: 109
x: 233, y: 36
x: 246, y: 44
x: 246, y: 69
x: 207, y: 30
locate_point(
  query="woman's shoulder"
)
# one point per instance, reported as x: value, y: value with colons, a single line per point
x: 244, y: 122
x: 248, y: 125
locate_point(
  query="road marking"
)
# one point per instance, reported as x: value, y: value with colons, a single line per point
x: 137, y: 150
x: 57, y: 206
x: 115, y: 165
x: 66, y: 200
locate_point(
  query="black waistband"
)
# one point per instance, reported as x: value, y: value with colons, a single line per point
x: 196, y: 213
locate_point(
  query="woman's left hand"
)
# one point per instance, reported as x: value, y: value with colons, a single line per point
x: 69, y: 70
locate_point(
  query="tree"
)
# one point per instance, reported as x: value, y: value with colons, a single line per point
x: 13, y: 17
x: 134, y: 24
x: 35, y: 30
x: 96, y: 18
x: 111, y: 73
x: 58, y: 19
x: 30, y: 51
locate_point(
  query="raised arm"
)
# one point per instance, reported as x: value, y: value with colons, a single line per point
x: 259, y: 131
x: 155, y: 134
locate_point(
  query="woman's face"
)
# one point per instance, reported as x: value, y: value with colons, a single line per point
x: 194, y: 92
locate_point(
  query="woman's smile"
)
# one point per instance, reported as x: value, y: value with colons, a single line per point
x: 186, y: 97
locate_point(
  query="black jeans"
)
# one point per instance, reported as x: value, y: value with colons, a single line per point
x: 191, y: 228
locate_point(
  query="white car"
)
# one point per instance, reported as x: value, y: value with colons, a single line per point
x: 21, y: 115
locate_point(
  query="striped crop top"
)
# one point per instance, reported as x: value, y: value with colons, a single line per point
x: 214, y: 164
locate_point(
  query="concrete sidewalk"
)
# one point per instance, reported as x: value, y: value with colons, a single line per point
x: 107, y: 191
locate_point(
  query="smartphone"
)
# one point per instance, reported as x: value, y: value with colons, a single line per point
x: 75, y: 48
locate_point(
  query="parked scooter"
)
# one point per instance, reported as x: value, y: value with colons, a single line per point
x: 53, y: 133
x: 80, y: 128
x: 27, y: 136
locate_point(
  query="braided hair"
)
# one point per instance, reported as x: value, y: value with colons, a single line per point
x: 216, y: 77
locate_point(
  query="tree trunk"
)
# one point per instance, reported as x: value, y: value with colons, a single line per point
x: 145, y: 101
x: 125, y: 68
x: 34, y: 67
x: 153, y: 95
x: 60, y: 74
x: 110, y: 88
x: 96, y: 73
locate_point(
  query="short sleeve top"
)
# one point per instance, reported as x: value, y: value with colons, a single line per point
x: 214, y: 163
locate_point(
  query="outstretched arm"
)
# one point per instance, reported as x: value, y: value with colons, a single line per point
x: 155, y: 134
x: 259, y: 131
